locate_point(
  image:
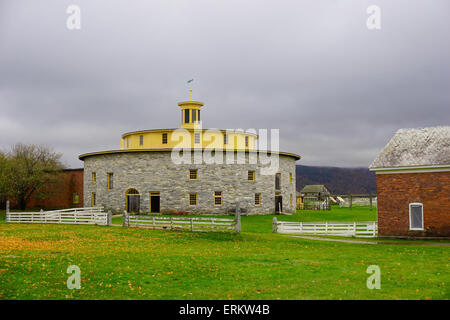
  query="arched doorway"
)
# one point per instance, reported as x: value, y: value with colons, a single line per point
x: 133, y: 201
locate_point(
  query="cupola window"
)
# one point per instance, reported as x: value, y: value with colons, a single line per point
x: 186, y: 115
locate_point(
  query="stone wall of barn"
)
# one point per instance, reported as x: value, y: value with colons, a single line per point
x: 156, y: 172
x: 395, y: 193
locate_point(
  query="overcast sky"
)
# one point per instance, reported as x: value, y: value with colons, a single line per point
x: 336, y: 90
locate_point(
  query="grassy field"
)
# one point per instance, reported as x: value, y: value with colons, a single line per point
x: 121, y: 263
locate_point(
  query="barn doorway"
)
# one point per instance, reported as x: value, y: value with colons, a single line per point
x: 278, y: 203
x: 133, y: 201
x: 155, y: 202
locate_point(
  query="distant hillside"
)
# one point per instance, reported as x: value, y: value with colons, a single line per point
x: 338, y: 180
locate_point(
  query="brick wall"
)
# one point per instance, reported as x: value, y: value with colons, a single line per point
x: 396, y: 191
x: 60, y: 195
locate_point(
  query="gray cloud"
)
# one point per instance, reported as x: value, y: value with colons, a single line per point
x: 336, y: 90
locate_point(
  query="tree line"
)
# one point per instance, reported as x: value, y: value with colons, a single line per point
x: 26, y: 171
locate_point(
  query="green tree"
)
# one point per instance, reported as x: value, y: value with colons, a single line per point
x: 29, y: 169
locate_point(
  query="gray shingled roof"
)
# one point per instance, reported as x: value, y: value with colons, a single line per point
x: 416, y: 147
x: 314, y: 188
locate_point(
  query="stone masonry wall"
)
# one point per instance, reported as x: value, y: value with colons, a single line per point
x: 155, y: 172
x: 396, y: 191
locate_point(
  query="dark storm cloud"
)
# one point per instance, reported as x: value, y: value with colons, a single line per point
x: 336, y: 90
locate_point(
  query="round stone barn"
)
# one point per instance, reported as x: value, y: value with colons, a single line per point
x: 190, y: 170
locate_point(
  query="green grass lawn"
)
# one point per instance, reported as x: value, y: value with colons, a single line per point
x: 126, y: 263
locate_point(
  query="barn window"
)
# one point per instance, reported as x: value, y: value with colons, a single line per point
x: 94, y: 177
x: 225, y: 139
x: 251, y: 175
x: 194, y: 116
x: 164, y: 138
x: 192, y: 199
x: 141, y: 140
x: 186, y: 115
x: 76, y: 198
x: 278, y: 181
x: 193, y: 174
x: 290, y: 199
x: 416, y: 216
x: 257, y: 199
x: 290, y: 177
x: 198, y: 113
x: 217, y: 198
x: 110, y: 183
x: 93, y: 199
x: 246, y: 141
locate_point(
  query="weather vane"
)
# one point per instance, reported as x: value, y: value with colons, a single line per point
x: 190, y: 88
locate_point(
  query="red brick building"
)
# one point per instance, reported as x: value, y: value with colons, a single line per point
x: 67, y: 193
x: 413, y: 184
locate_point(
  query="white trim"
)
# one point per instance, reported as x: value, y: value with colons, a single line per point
x: 415, y: 204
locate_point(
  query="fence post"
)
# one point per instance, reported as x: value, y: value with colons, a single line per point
x: 171, y: 223
x: 192, y: 224
x: 7, y: 211
x: 153, y: 222
x: 109, y: 222
x: 124, y: 218
x: 274, y: 225
x: 326, y: 227
x: 350, y: 198
x: 354, y: 229
x: 238, y: 217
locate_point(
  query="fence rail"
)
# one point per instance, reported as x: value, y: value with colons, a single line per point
x: 94, y: 215
x: 349, y: 229
x: 181, y: 223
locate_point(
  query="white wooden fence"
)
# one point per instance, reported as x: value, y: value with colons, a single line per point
x: 347, y: 229
x: 181, y: 223
x: 92, y: 215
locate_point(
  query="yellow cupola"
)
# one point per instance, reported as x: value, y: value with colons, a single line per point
x: 190, y: 113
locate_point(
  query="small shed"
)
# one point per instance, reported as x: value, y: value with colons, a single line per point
x: 413, y: 184
x: 315, y: 192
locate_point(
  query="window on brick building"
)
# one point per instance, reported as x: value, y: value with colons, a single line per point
x: 416, y: 216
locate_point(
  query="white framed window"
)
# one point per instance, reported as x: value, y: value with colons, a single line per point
x: 415, y: 216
